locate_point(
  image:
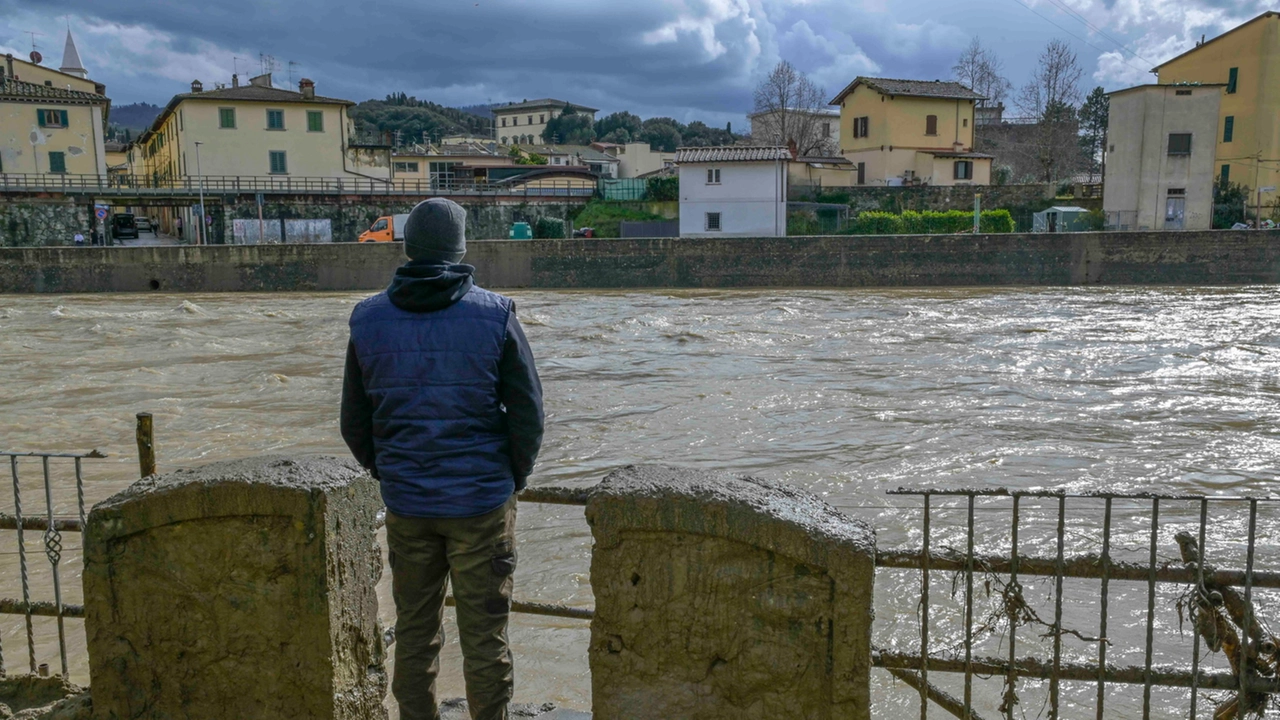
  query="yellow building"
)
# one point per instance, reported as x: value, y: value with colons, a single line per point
x: 258, y: 130
x: 1247, y: 60
x: 522, y: 123
x: 51, y: 130
x: 910, y: 132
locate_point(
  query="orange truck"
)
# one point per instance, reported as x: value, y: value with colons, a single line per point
x: 389, y: 228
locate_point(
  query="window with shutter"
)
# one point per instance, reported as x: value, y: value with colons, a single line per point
x: 275, y: 119
x: 1233, y: 75
x: 1179, y: 143
x: 52, y: 118
x: 931, y: 125
x: 862, y: 173
x: 57, y: 162
x: 964, y: 170
x: 227, y: 118
x: 279, y: 164
x: 315, y: 121
x: 1228, y: 128
x: 1225, y: 174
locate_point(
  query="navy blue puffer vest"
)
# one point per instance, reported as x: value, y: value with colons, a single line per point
x: 438, y: 426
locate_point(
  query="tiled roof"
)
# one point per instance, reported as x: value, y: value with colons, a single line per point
x: 727, y: 153
x: 942, y: 89
x: 949, y: 154
x: 541, y: 103
x: 22, y: 90
x: 257, y: 93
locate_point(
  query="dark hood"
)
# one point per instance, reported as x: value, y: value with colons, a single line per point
x: 426, y: 285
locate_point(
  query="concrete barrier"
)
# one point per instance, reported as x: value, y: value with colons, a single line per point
x: 1212, y: 257
x: 241, y: 589
x: 726, y: 597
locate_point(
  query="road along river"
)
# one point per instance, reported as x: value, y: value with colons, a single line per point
x: 843, y: 393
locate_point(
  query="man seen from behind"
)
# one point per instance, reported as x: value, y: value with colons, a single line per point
x: 442, y: 404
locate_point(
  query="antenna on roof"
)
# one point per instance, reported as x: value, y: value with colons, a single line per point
x: 292, y: 65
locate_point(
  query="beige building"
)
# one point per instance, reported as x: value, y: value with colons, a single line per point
x: 1246, y: 59
x: 1161, y: 142
x: 910, y: 132
x: 52, y: 122
x: 637, y: 159
x: 523, y: 123
x: 258, y: 130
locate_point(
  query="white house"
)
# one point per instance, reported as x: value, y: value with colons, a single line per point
x: 733, y: 191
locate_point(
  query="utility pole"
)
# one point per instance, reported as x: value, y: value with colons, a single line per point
x: 200, y: 177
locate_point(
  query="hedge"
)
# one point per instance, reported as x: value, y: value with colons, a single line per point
x: 929, y: 222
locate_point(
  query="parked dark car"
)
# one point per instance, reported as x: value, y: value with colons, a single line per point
x: 123, y: 226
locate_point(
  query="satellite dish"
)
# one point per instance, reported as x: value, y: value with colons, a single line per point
x: 36, y: 57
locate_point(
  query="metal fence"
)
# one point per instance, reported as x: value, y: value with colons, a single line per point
x: 1221, y: 617
x: 142, y: 185
x: 52, y: 527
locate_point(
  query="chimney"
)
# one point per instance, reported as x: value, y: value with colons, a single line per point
x: 235, y: 81
x: 308, y: 88
x: 196, y: 86
x: 263, y: 80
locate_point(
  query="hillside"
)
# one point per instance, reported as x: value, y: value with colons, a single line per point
x: 415, y: 119
x: 136, y: 116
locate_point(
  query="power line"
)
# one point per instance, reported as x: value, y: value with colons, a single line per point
x: 1086, y: 42
x: 1063, y: 6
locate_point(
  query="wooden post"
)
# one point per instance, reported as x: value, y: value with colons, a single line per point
x: 146, y: 446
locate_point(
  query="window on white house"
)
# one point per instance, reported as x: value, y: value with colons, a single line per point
x: 826, y: 129
x: 713, y: 177
x: 713, y: 221
x: 964, y: 170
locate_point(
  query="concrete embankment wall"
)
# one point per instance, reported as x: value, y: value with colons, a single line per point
x: 1207, y: 258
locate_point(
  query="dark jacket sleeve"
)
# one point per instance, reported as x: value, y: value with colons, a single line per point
x: 356, y: 417
x: 521, y: 393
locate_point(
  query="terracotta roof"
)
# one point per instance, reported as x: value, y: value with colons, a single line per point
x: 941, y: 89
x: 11, y: 89
x: 257, y: 93
x: 731, y: 153
x: 827, y: 160
x: 1269, y: 13
x: 541, y: 103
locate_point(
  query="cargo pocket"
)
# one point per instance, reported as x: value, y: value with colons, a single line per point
x: 503, y: 564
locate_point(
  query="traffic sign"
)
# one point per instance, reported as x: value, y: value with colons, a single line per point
x: 1269, y: 188
x: 101, y: 213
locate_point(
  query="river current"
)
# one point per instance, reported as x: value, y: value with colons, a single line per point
x: 843, y: 393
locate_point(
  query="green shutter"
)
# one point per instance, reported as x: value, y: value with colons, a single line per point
x: 1233, y: 75
x: 1226, y: 174
x: 63, y: 113
x: 1228, y: 128
x: 315, y: 121
x: 40, y: 117
x: 57, y: 162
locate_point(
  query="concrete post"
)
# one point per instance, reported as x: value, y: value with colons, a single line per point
x: 242, y: 589
x: 726, y: 597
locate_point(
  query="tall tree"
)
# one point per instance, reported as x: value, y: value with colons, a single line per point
x: 616, y: 123
x: 788, y: 109
x: 980, y: 69
x: 662, y: 134
x: 1050, y: 98
x: 1094, y: 114
x: 569, y: 128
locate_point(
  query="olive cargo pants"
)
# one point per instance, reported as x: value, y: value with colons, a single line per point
x: 478, y: 554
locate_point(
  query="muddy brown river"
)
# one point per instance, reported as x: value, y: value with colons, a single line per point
x: 843, y: 393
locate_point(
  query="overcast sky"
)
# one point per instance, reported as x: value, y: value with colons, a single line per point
x: 689, y: 59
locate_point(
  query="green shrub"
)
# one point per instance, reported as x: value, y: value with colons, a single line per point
x: 1094, y: 220
x: 874, y: 222
x: 548, y: 229
x: 996, y: 221
x: 606, y: 216
x: 663, y: 189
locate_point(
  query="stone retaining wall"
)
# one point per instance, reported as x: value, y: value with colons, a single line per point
x: 1193, y: 258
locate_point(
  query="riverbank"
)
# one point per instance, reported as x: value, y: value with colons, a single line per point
x: 1128, y: 258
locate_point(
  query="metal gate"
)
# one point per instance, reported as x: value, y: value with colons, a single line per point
x: 1196, y: 627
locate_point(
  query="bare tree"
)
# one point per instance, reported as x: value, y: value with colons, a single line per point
x: 980, y: 69
x: 1051, y: 97
x: 789, y: 108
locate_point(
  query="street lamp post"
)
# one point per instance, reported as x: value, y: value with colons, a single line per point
x: 200, y: 177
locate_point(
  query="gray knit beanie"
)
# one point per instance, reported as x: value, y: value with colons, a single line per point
x: 436, y: 230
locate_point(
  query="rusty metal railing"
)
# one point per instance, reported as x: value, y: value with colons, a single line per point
x: 53, y: 527
x: 1222, y: 617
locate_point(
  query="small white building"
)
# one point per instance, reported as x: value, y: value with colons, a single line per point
x: 733, y: 191
x: 1161, y: 144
